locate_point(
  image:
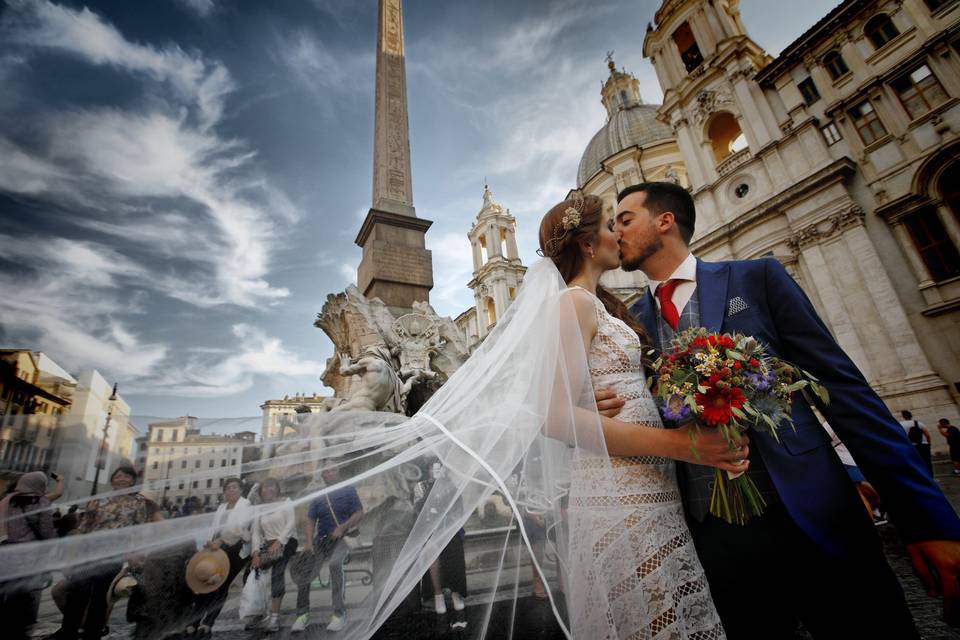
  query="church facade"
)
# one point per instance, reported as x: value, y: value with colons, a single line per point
x: 840, y: 159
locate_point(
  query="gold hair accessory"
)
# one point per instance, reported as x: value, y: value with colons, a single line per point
x: 572, y: 217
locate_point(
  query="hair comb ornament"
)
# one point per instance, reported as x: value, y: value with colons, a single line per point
x: 572, y: 217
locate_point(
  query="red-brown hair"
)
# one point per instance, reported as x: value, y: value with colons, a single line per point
x: 563, y: 247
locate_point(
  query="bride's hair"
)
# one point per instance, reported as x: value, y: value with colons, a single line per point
x: 560, y: 241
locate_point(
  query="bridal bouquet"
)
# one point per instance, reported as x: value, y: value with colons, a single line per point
x: 729, y: 383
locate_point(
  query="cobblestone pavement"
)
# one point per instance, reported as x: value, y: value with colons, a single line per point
x: 532, y: 619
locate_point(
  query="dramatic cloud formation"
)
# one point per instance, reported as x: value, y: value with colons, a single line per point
x: 181, y: 183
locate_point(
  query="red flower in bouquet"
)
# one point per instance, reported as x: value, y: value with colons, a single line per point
x: 718, y: 404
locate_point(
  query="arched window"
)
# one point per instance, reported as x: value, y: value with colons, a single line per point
x: 491, y: 312
x: 687, y: 45
x: 725, y: 135
x: 834, y: 64
x: 880, y: 30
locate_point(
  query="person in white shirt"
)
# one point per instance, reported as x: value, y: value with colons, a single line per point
x: 272, y: 545
x: 230, y: 531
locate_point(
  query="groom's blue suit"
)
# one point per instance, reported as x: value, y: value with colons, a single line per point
x: 811, y: 481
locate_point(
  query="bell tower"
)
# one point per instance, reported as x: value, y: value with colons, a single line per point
x: 497, y: 270
x: 704, y: 62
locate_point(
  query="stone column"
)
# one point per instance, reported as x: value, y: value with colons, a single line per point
x: 837, y: 316
x: 905, y: 346
x: 910, y: 250
x: 692, y: 156
x: 949, y: 223
x: 512, y: 251
x: 477, y: 254
x: 493, y: 242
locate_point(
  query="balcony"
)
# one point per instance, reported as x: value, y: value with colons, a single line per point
x: 734, y: 160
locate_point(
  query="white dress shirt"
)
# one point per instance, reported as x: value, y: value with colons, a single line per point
x: 233, y: 525
x: 685, y: 271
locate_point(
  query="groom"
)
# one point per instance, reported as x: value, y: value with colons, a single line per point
x: 813, y: 556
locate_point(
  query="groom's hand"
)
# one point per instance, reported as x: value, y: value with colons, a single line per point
x: 608, y: 402
x: 937, y: 562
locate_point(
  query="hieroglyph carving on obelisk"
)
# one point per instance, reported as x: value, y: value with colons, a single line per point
x: 392, y: 184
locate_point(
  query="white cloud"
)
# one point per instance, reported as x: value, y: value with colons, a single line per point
x: 71, y: 306
x: 111, y: 159
x: 257, y: 354
x: 84, y: 34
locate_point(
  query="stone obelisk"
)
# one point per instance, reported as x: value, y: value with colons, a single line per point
x: 396, y: 265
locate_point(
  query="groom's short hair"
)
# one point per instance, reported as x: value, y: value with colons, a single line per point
x: 666, y: 196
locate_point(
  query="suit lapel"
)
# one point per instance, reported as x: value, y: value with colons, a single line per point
x: 712, y: 280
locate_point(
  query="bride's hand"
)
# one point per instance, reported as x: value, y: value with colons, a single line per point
x: 712, y: 450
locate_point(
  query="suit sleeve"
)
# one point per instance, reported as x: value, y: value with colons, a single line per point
x: 858, y: 415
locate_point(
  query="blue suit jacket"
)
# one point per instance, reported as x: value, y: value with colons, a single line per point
x: 808, y: 475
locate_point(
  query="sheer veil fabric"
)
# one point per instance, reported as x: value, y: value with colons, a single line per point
x: 518, y: 419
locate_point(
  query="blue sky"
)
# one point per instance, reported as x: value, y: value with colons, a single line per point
x: 181, y: 182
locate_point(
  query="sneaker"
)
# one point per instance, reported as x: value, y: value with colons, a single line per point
x: 457, y: 601
x: 300, y: 623
x: 273, y: 624
x: 336, y: 622
x: 439, y: 605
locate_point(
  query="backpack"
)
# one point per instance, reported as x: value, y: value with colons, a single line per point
x: 915, y: 434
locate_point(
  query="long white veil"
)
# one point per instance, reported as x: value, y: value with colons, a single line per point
x: 514, y: 428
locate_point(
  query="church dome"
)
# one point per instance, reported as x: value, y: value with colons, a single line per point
x: 629, y: 126
x: 629, y: 122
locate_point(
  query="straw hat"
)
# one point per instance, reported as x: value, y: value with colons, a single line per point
x: 303, y: 567
x: 207, y: 570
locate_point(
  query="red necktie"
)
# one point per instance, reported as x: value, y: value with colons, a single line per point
x: 668, y: 310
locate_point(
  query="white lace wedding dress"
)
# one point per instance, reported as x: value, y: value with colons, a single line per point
x: 647, y: 580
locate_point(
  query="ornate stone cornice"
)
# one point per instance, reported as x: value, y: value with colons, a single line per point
x: 823, y: 229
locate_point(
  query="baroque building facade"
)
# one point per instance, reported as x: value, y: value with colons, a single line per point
x: 181, y: 464
x: 839, y: 158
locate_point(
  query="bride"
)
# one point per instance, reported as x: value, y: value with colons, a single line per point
x: 645, y: 573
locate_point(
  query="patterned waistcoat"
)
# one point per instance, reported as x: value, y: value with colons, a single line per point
x: 696, y: 481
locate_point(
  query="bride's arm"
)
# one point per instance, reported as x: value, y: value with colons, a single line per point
x: 627, y: 438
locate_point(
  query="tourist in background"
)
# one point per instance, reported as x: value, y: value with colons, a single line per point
x: 231, y: 532
x: 952, y: 434
x: 449, y: 570
x: 87, y: 585
x: 24, y: 517
x: 331, y: 518
x: 273, y: 543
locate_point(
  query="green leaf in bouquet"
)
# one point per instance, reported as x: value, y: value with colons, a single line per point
x: 701, y: 388
x: 749, y: 409
x: 737, y: 412
x: 821, y: 392
x: 809, y: 375
x: 736, y: 355
x: 797, y: 386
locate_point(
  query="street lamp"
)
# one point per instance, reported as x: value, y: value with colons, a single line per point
x: 103, y: 440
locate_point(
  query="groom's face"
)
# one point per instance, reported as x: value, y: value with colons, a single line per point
x: 638, y: 234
